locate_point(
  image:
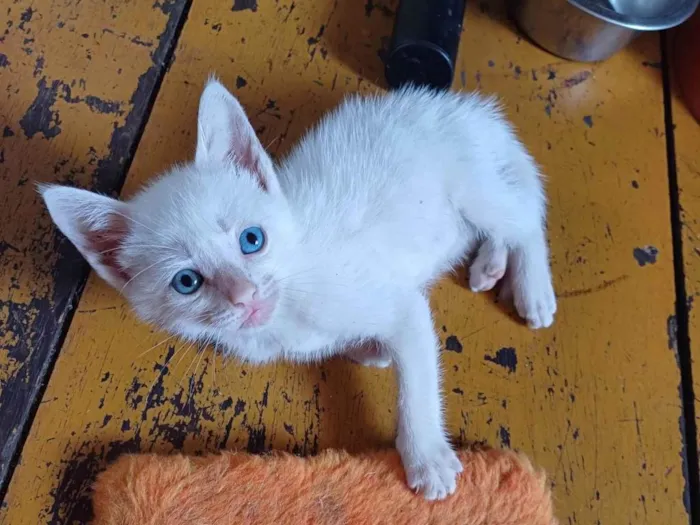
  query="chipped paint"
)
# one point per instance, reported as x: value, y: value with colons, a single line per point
x: 244, y: 5
x: 66, y: 117
x: 645, y: 255
x: 506, y: 358
x: 452, y: 344
x: 578, y: 78
x: 39, y: 116
x: 504, y: 436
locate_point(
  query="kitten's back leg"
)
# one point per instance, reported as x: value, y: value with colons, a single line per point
x: 509, y: 212
x: 489, y: 266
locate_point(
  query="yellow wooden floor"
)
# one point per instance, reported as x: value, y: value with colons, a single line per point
x: 595, y: 399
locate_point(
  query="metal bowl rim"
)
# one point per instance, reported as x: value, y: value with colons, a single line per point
x: 678, y: 15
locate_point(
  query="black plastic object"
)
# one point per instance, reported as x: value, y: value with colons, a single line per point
x: 424, y: 43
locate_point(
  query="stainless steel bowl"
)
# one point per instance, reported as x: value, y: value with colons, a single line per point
x: 592, y: 30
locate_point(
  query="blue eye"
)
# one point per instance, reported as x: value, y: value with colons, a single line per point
x: 187, y: 282
x: 252, y: 240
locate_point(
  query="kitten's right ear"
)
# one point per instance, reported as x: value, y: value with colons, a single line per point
x: 95, y: 224
x: 224, y: 133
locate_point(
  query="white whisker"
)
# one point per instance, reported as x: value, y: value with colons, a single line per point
x: 159, y: 234
x: 186, y: 351
x: 189, y: 367
x: 160, y: 374
x: 194, y: 374
x: 213, y: 370
x: 200, y: 350
x: 225, y: 368
x: 161, y: 261
x: 273, y: 141
x: 154, y: 346
x: 121, y: 247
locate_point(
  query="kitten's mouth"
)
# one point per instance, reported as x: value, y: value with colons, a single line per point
x: 259, y: 313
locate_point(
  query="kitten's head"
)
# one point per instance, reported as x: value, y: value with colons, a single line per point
x: 201, y: 250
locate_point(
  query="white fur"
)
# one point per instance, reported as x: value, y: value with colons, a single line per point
x: 384, y: 196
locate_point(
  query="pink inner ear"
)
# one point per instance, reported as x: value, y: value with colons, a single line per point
x: 250, y: 160
x: 106, y: 244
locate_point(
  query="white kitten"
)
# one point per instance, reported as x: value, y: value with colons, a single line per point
x: 336, y: 246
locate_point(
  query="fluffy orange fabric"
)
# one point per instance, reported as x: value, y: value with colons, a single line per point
x: 497, y: 487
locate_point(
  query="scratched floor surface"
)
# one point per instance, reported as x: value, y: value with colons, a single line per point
x: 595, y: 399
x: 76, y: 79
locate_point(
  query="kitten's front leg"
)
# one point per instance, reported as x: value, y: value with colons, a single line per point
x: 431, y: 465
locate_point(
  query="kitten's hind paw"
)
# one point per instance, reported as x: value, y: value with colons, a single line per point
x: 433, y: 474
x: 371, y: 355
x: 489, y: 267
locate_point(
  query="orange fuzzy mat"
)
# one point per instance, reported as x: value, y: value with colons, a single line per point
x: 497, y: 487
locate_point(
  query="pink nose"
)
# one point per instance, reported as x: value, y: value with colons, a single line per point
x: 242, y: 292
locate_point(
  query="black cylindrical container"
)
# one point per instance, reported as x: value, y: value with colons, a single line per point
x: 424, y: 44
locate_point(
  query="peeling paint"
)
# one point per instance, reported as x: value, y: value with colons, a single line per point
x: 245, y: 5
x: 39, y: 117
x: 645, y: 255
x: 45, y: 274
x: 103, y: 106
x: 504, y: 436
x: 506, y: 358
x: 452, y: 344
x: 576, y: 79
x: 672, y: 333
x: 25, y: 18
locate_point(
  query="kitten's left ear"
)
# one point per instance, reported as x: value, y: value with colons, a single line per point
x: 224, y: 133
x: 95, y: 224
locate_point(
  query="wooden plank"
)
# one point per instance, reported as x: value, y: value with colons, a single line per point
x: 76, y: 79
x: 594, y: 400
x: 687, y: 163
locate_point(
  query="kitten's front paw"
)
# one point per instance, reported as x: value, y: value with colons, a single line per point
x: 434, y: 472
x: 535, y: 301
